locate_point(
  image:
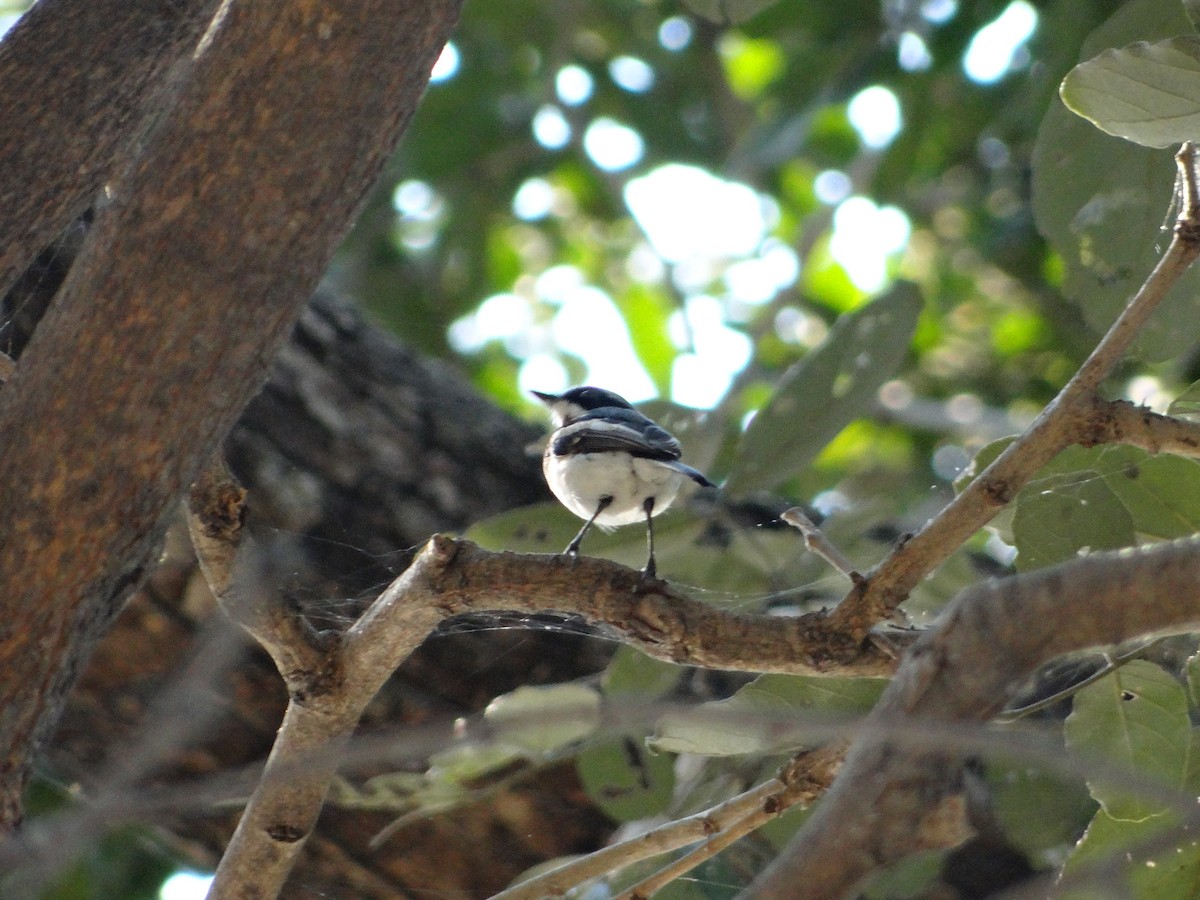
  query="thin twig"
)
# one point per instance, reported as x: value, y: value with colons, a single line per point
x: 664, y: 839
x: 816, y: 541
x: 800, y: 782
x: 651, y: 885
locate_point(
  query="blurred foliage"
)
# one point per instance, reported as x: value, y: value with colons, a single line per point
x: 997, y: 236
x: 128, y: 862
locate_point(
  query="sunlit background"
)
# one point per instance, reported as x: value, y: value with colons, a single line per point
x: 711, y: 239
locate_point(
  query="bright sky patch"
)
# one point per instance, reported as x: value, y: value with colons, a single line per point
x: 999, y: 46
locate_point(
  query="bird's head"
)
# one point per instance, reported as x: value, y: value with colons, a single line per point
x: 572, y: 404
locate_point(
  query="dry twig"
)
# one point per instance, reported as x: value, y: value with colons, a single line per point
x: 816, y: 541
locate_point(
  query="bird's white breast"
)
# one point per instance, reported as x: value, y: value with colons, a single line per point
x: 581, y: 480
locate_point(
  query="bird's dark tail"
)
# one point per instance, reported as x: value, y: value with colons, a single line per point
x: 696, y: 476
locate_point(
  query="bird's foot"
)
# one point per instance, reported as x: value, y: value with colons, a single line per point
x: 647, y: 584
x: 648, y: 578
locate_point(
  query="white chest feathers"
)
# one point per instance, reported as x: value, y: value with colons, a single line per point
x: 580, y: 481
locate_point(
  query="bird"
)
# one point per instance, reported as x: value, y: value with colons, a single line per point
x: 610, y: 465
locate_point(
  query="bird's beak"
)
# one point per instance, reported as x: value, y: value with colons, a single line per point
x: 548, y: 399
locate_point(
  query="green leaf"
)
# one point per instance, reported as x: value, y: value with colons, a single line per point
x: 1171, y: 874
x: 626, y: 780
x: 1146, y: 93
x: 542, y: 719
x: 1191, y: 673
x: 1104, y: 498
x: 984, y: 457
x: 549, y: 527
x: 1061, y: 516
x: 1038, y: 811
x: 633, y: 674
x: 1138, y: 718
x: 463, y: 763
x: 1160, y: 493
x: 765, y: 716
x: 1102, y: 201
x: 646, y: 311
x: 916, y: 876
x: 691, y: 552
x: 1001, y: 523
x: 1187, y: 404
x: 398, y: 792
x: 751, y: 65
x: 542, y: 528
x: 831, y: 387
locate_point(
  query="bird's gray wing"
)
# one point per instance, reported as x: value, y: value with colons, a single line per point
x: 613, y: 430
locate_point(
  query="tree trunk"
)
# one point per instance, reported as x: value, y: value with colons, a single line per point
x: 192, y: 278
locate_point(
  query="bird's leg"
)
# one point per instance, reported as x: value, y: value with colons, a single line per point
x: 651, y: 569
x: 573, y: 547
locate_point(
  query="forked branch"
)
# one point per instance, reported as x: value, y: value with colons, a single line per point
x: 1065, y: 421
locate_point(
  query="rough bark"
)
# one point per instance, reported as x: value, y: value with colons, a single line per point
x: 62, y: 137
x: 194, y: 275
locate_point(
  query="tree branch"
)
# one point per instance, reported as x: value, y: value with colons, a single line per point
x: 1121, y: 422
x: 449, y: 578
x: 650, y: 616
x: 284, y: 808
x: 227, y: 555
x: 964, y: 670
x: 1063, y: 422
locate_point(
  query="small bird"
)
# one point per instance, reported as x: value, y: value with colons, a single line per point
x: 610, y: 465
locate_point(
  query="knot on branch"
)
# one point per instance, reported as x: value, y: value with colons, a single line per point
x: 1188, y: 230
x: 218, y: 502
x: 286, y: 834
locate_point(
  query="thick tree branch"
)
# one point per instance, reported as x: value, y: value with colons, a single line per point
x: 1065, y: 421
x: 964, y: 670
x: 651, y: 616
x: 193, y: 276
